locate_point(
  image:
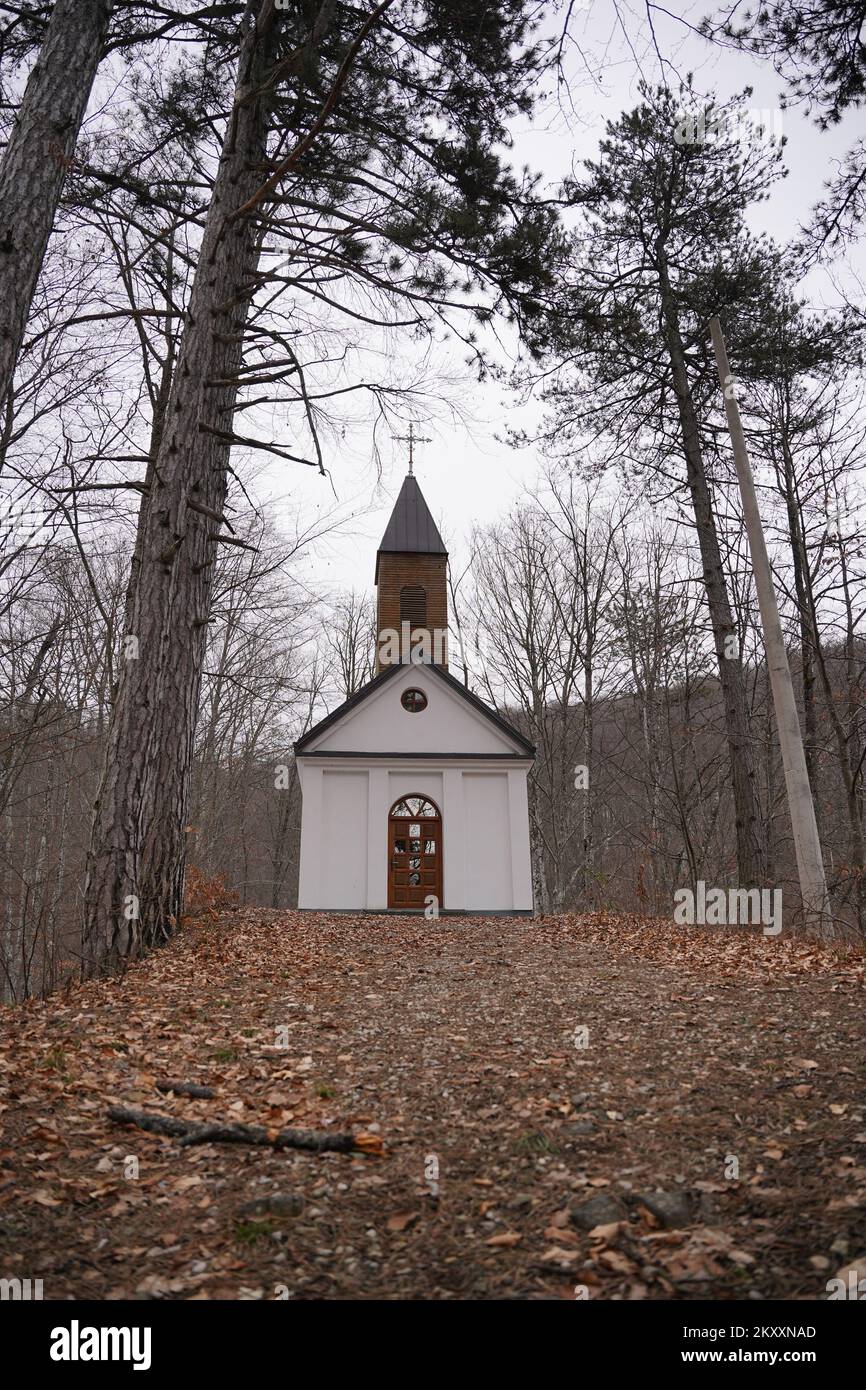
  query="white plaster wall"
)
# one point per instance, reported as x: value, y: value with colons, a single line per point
x: 342, y: 840
x: 380, y: 724
x: 488, y: 841
x: 415, y: 781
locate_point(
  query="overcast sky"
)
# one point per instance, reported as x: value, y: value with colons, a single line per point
x: 466, y: 473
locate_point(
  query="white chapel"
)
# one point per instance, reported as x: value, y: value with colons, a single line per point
x: 414, y: 790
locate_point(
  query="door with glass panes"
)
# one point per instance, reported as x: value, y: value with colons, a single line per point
x: 414, y: 853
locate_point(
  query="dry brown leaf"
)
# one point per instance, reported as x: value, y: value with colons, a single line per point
x: 402, y: 1220
x: 185, y: 1183
x: 617, y: 1261
x: 607, y: 1232
x: 562, y: 1259
x: 555, y: 1233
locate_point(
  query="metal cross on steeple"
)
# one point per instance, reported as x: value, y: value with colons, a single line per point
x: 412, y: 439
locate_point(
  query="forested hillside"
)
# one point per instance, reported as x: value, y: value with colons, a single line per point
x: 534, y: 973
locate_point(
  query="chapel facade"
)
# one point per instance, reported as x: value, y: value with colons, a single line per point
x: 414, y: 791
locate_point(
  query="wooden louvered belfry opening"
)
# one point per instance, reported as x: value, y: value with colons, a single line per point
x: 413, y: 605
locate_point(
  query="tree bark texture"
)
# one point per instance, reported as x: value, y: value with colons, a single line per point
x: 37, y: 157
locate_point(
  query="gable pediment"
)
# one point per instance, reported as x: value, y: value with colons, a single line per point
x: 453, y: 723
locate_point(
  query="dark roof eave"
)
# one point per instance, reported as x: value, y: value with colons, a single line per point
x: 344, y: 708
x: 402, y: 756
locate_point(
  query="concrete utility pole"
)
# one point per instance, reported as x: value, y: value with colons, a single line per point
x: 810, y: 864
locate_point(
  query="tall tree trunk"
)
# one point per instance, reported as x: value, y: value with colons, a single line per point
x: 847, y: 754
x: 134, y: 888
x: 59, y: 872
x: 280, y: 847
x: 751, y: 852
x: 37, y: 157
x: 156, y: 430
x: 855, y: 751
x: 808, y: 636
x: 540, y: 887
x: 588, y: 804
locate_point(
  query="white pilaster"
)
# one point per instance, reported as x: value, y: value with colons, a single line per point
x: 310, y: 880
x: 518, y: 820
x: 377, y: 838
x: 454, y: 840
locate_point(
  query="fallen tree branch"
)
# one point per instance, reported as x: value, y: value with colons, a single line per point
x: 316, y: 1141
x: 154, y: 1124
x: 187, y: 1088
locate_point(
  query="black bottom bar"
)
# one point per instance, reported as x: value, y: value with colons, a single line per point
x: 425, y: 1339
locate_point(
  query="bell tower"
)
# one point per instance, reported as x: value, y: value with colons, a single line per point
x: 411, y: 582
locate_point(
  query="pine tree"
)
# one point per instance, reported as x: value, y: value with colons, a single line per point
x: 661, y: 247
x: 376, y: 129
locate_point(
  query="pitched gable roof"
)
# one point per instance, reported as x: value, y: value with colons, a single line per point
x: 387, y: 674
x: 411, y: 527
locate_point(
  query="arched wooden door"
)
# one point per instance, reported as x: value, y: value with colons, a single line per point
x: 414, y: 852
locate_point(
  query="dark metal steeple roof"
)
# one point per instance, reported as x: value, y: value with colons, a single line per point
x: 411, y: 528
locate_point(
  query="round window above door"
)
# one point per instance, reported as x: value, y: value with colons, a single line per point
x: 413, y: 700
